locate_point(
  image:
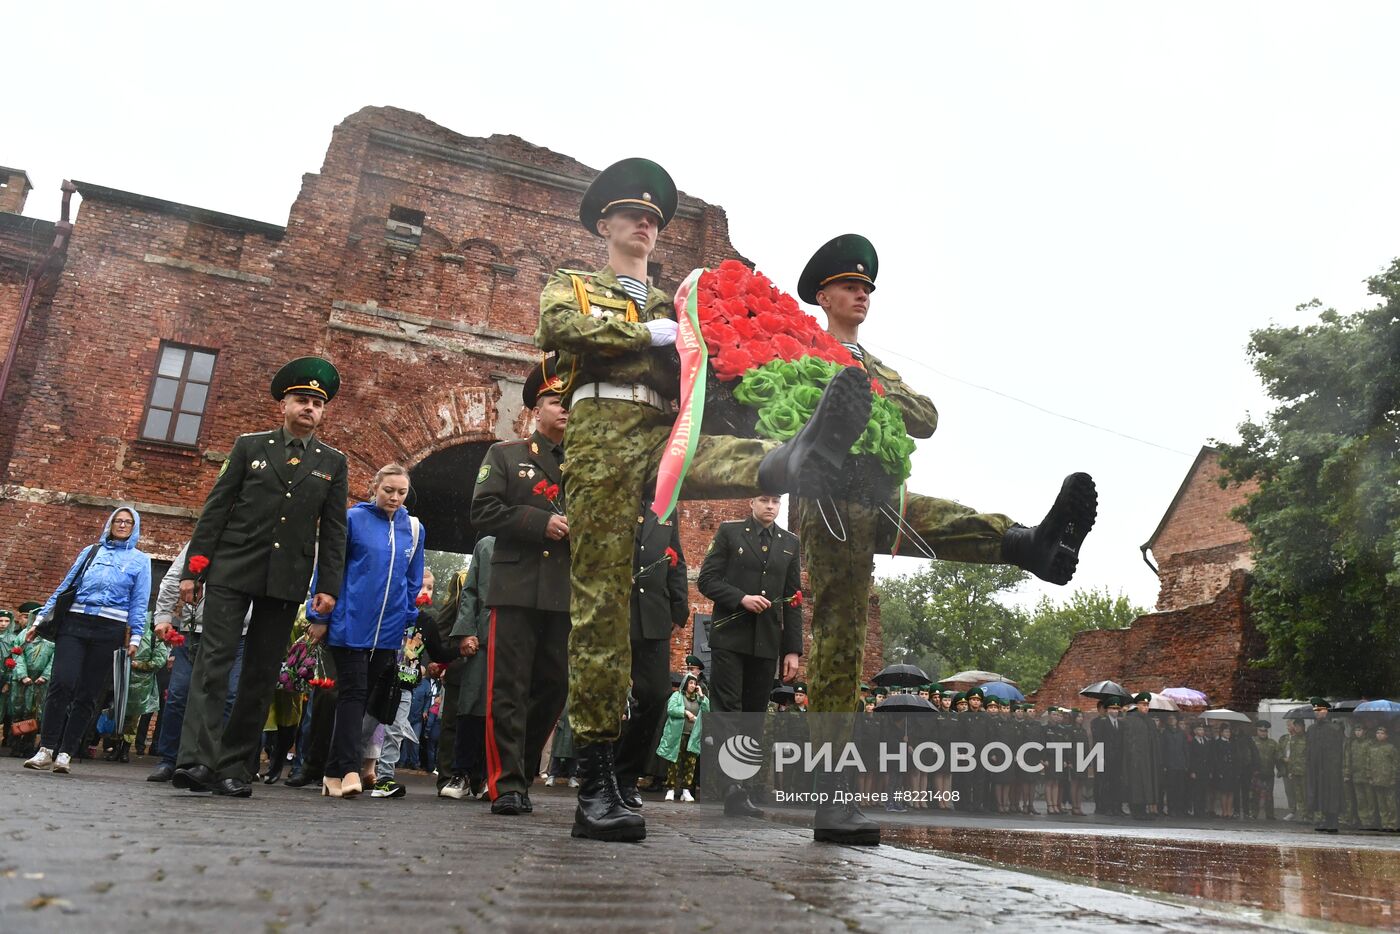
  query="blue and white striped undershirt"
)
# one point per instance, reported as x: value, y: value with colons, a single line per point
x: 635, y: 288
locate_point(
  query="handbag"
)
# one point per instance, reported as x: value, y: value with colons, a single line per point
x: 24, y: 727
x: 47, y: 628
x: 384, y: 696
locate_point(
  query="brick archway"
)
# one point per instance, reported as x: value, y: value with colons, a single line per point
x: 442, y: 495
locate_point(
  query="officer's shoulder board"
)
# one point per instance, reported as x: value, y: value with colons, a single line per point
x: 581, y: 273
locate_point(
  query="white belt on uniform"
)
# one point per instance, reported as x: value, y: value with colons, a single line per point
x: 627, y: 392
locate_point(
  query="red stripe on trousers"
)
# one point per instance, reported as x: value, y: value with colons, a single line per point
x: 493, y: 753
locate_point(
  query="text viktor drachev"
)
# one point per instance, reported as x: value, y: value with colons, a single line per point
x: 933, y: 757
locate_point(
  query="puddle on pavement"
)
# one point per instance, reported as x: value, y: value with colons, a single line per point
x: 1349, y: 886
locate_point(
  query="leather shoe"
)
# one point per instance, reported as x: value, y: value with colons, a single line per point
x: 233, y: 788
x: 300, y: 778
x: 526, y: 805
x: 511, y: 803
x: 161, y: 773
x: 737, y: 803
x: 196, y: 778
x: 631, y: 797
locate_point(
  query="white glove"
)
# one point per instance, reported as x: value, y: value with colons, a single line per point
x: 663, y: 332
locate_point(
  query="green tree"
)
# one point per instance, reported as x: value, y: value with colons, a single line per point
x: 944, y: 617
x: 1325, y: 522
x: 1052, y: 625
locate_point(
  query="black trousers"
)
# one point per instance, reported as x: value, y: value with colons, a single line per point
x: 82, y: 666
x: 527, y: 682
x: 651, y: 688
x: 229, y: 747
x: 740, y: 683
x: 356, y: 670
x: 469, y: 753
x: 447, y: 733
x: 1176, y: 792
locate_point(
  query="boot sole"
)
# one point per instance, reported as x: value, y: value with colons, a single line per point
x: 855, y: 838
x: 616, y: 835
x: 1071, y: 519
x: 847, y: 403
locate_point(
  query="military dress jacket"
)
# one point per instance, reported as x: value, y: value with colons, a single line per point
x: 512, y: 502
x: 267, y: 523
x: 660, y: 593
x: 598, y: 343
x: 735, y: 566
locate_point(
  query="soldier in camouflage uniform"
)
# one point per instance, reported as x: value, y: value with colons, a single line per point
x: 840, y: 278
x: 1269, y: 754
x: 1295, y: 771
x: 614, y: 337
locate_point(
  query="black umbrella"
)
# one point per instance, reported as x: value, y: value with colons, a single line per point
x: 121, y: 681
x: 783, y: 695
x: 1103, y: 690
x: 1300, y: 713
x: 901, y: 676
x: 903, y: 703
x: 1345, y: 706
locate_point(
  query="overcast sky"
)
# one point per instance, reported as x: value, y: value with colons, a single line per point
x: 1085, y: 207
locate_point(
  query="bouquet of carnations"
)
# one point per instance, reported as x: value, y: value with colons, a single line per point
x: 770, y: 361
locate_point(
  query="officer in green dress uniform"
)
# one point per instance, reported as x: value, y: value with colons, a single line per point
x: 277, y: 509
x: 840, y: 277
x: 519, y: 498
x: 614, y: 335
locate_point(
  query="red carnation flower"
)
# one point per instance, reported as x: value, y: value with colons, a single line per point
x: 423, y: 600
x: 9, y: 663
x: 541, y: 487
x: 552, y: 492
x: 327, y: 682
x: 198, y: 564
x: 876, y: 388
x: 671, y: 556
x: 795, y: 599
x: 17, y: 650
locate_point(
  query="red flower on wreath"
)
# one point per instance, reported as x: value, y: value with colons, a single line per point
x: 198, y: 564
x: 672, y: 557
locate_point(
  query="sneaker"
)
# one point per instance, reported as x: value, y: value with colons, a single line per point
x: 687, y: 796
x: 670, y: 794
x: 573, y: 783
x: 388, y: 788
x: 476, y: 788
x: 63, y: 764
x: 41, y: 760
x: 549, y: 782
x: 456, y: 788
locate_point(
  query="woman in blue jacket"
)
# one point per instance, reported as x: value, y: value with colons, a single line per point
x: 383, y: 574
x: 109, y: 610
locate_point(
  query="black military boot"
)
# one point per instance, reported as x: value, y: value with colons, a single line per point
x: 600, y: 814
x: 841, y: 821
x: 1050, y: 550
x: 737, y: 803
x: 812, y: 459
x: 631, y: 797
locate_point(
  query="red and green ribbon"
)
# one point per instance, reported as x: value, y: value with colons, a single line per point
x: 685, y: 433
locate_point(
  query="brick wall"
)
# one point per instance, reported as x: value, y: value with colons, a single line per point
x: 1206, y: 646
x: 1197, y: 545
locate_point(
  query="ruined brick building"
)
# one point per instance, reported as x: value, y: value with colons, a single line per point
x: 413, y: 260
x: 1201, y: 635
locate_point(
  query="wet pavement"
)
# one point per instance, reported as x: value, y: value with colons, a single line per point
x: 102, y: 850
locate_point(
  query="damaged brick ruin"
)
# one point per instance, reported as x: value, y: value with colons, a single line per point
x: 1201, y: 635
x: 413, y: 259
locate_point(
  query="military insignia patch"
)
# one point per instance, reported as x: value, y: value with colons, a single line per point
x: 483, y: 473
x: 223, y: 468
